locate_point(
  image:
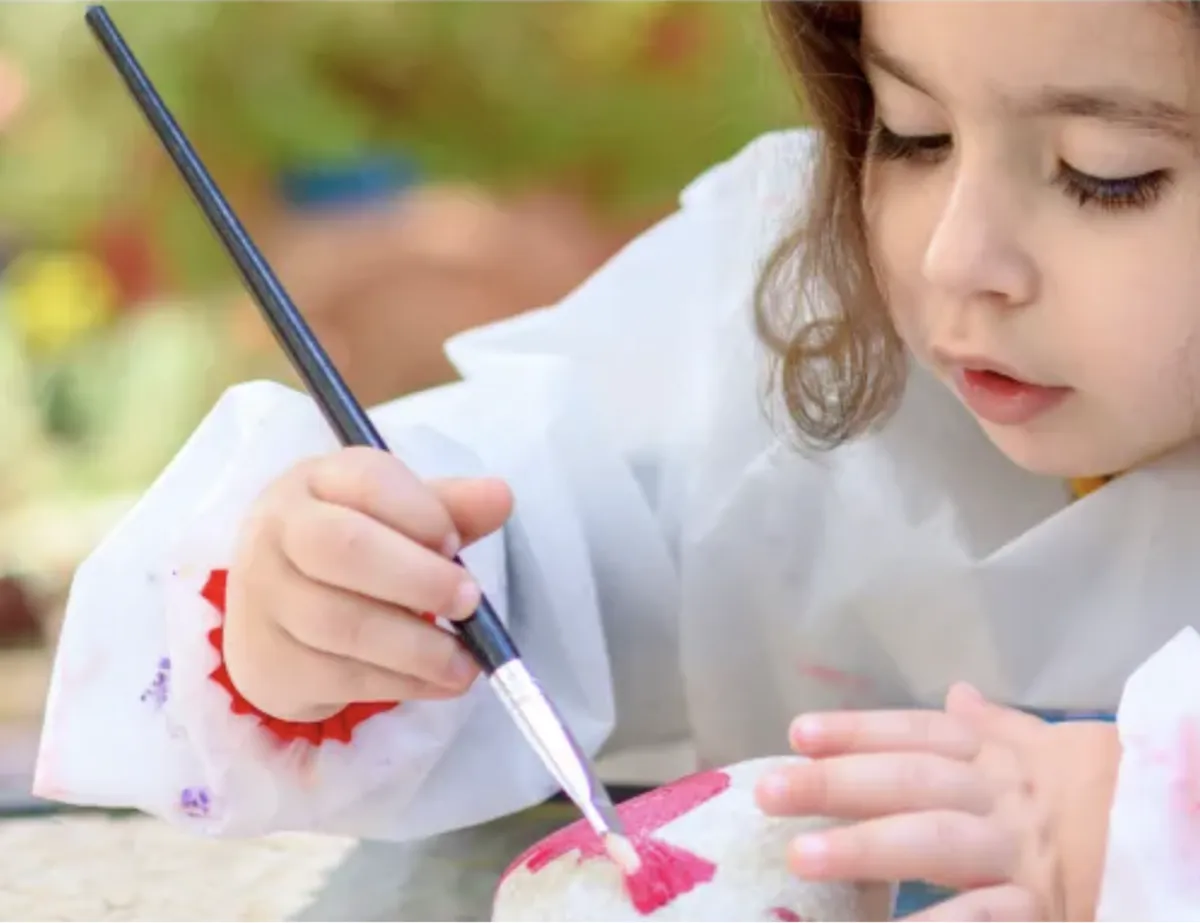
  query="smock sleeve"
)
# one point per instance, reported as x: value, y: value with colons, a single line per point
x: 1153, y: 848
x: 577, y: 406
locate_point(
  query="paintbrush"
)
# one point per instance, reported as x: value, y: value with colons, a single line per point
x: 482, y: 634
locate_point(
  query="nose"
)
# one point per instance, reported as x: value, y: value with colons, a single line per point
x: 974, y: 251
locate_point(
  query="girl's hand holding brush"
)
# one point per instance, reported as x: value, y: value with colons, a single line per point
x: 339, y: 571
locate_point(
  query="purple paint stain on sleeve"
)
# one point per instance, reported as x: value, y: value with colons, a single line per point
x: 160, y: 687
x: 195, y: 802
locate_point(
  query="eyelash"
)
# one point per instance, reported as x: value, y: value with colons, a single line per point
x: 1087, y: 191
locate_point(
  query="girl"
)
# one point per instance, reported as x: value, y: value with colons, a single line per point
x: 971, y: 290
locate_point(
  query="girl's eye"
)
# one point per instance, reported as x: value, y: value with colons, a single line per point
x: 888, y: 145
x: 1127, y: 192
x: 1087, y: 191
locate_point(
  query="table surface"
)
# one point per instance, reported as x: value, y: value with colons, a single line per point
x: 102, y: 867
x: 97, y: 867
x: 94, y: 866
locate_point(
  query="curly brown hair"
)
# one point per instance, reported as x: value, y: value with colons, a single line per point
x: 836, y: 358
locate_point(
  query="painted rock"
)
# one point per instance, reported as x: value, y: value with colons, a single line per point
x: 707, y: 851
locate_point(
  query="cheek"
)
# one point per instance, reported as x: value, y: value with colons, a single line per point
x: 1140, y: 340
x: 1151, y: 334
x: 897, y: 235
x: 1166, y: 359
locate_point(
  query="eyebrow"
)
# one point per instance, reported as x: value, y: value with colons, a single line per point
x: 1116, y: 105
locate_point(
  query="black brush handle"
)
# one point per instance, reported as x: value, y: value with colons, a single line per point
x: 482, y: 634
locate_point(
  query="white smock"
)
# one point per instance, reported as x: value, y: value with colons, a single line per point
x: 675, y: 571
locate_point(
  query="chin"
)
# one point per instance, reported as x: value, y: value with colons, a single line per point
x: 1058, y: 452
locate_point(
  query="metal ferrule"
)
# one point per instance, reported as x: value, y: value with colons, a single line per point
x: 546, y: 732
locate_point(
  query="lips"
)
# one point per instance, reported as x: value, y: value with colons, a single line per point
x: 997, y: 396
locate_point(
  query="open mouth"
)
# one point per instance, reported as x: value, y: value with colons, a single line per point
x: 1002, y: 399
x: 993, y: 380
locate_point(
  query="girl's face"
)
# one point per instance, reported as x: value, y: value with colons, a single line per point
x: 1033, y: 204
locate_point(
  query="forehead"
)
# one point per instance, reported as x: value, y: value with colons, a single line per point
x: 972, y: 52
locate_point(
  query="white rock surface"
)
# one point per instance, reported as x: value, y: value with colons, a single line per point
x: 751, y: 881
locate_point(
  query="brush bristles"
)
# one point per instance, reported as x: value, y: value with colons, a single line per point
x: 621, y: 851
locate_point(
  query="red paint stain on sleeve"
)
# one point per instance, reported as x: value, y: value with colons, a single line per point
x: 831, y: 676
x: 667, y: 871
x: 1183, y: 775
x: 339, y: 727
x: 785, y: 914
x: 1187, y: 780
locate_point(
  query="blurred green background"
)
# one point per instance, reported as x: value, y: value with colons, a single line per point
x: 621, y: 101
x: 503, y: 149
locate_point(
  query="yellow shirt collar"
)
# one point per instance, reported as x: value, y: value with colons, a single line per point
x: 1081, y: 487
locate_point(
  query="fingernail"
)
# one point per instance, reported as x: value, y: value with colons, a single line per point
x: 452, y: 545
x: 773, y: 788
x: 969, y: 694
x: 460, y: 671
x: 811, y: 852
x: 806, y: 730
x: 465, y: 602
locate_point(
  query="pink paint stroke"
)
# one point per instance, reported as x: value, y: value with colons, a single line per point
x: 851, y: 686
x: 1185, y: 790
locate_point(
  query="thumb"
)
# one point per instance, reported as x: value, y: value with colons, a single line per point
x: 991, y: 721
x: 477, y: 506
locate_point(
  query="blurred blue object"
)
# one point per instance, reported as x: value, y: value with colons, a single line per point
x: 1058, y: 715
x: 324, y: 187
x: 915, y: 896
